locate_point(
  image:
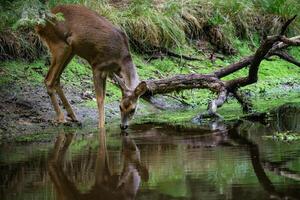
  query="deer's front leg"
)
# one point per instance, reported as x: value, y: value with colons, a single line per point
x: 100, y: 86
x: 60, y: 118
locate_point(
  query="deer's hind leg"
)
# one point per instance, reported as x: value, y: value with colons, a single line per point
x: 61, y: 56
x: 62, y: 96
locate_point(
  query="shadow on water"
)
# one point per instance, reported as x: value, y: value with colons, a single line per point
x: 215, y: 161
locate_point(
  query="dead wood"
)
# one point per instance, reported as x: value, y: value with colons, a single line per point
x: 272, y: 45
x: 245, y: 62
x: 183, y: 82
x: 259, y: 56
x: 285, y: 56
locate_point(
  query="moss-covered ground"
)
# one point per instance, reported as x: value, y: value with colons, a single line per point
x: 278, y: 82
x: 272, y: 75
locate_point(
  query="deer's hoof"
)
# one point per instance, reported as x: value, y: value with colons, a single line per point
x: 58, y: 122
x: 72, y: 118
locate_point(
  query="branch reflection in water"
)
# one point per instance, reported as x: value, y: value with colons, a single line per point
x: 106, y: 185
x: 259, y: 166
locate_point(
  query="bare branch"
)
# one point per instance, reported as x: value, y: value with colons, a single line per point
x: 259, y: 55
x: 285, y: 56
x: 286, y: 24
x: 294, y: 42
x: 233, y: 67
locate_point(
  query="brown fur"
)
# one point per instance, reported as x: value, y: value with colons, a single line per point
x: 85, y: 33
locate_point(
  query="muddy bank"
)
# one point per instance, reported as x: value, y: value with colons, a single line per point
x: 27, y: 108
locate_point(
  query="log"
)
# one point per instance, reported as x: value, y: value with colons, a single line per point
x: 273, y: 45
x: 245, y: 62
x: 285, y: 56
x: 183, y: 82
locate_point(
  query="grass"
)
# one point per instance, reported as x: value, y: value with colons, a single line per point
x: 169, y: 23
x: 284, y: 136
x: 36, y: 137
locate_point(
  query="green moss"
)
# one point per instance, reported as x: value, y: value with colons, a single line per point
x: 230, y: 111
x: 284, y: 136
x: 23, y: 72
x: 36, y: 137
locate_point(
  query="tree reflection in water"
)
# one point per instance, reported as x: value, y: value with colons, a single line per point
x: 258, y: 167
x: 211, y: 161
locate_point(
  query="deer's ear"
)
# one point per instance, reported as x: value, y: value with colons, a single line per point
x: 140, y: 89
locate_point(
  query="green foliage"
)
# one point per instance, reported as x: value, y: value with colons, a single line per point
x: 168, y: 23
x: 37, y: 16
x: 284, y: 8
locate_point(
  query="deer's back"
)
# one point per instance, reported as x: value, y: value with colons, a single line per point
x: 90, y: 35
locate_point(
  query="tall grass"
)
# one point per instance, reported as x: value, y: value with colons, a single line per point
x: 171, y: 23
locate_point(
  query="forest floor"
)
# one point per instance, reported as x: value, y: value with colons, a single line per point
x: 25, y: 106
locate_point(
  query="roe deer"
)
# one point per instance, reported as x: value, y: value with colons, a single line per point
x: 85, y: 33
x: 106, y: 184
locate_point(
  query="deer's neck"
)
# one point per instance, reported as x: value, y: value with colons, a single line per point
x: 131, y: 77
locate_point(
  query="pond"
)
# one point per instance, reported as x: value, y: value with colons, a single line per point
x: 159, y: 161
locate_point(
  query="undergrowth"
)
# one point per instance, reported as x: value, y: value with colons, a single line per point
x: 167, y: 23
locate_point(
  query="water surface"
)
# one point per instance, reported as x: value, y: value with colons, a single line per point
x: 215, y: 161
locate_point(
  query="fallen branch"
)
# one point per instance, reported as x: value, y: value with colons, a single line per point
x: 259, y: 56
x: 245, y: 62
x: 285, y: 56
x: 183, y: 82
x: 225, y: 71
x: 273, y: 45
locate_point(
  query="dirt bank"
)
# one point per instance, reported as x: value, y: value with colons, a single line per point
x: 27, y: 108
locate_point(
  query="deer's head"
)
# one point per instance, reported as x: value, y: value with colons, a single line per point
x: 129, y: 101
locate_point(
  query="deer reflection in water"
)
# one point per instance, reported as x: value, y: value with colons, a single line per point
x: 106, y: 185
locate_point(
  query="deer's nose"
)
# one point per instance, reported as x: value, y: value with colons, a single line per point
x: 123, y: 126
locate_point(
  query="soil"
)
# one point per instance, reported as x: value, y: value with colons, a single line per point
x: 27, y: 108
